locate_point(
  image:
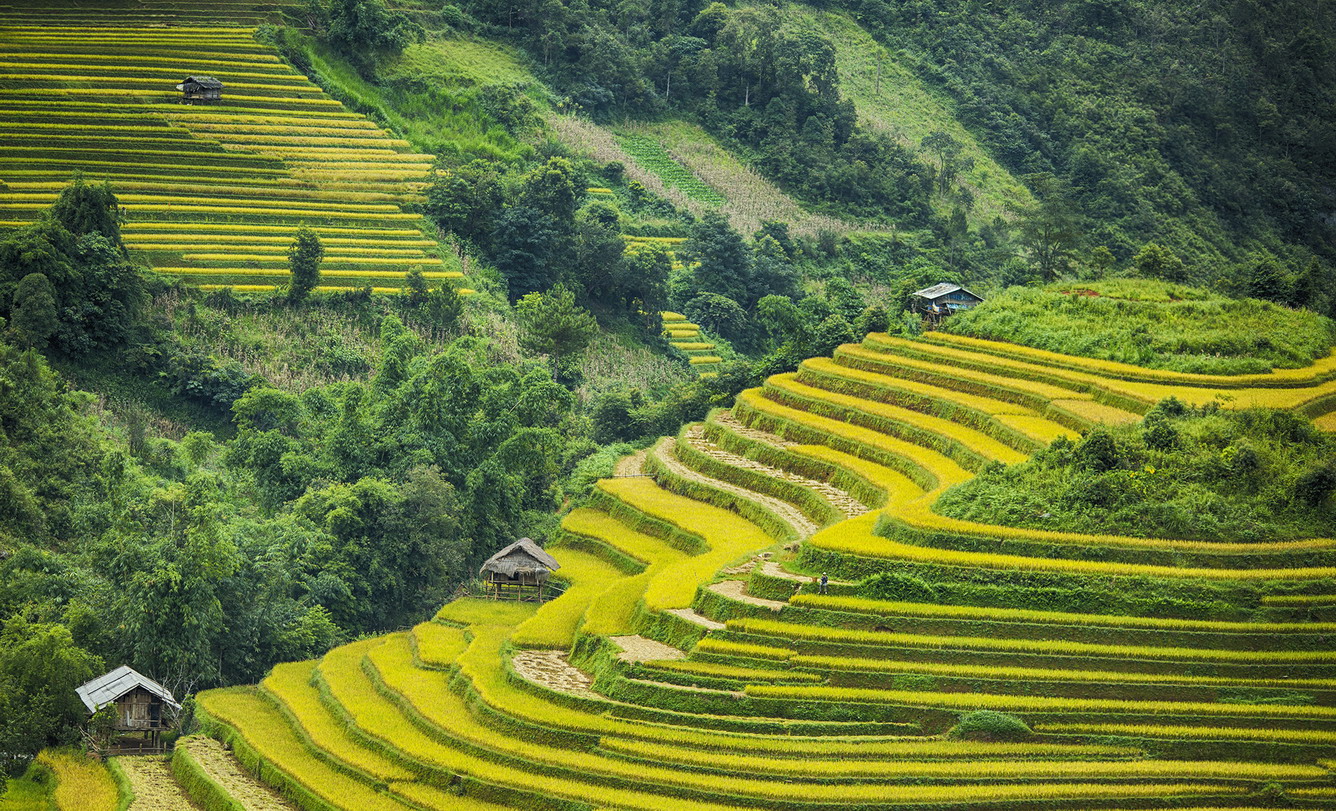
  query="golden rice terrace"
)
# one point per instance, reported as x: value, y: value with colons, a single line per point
x: 692, y: 662
x: 213, y: 192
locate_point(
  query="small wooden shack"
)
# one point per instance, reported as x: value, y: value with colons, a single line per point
x: 200, y: 88
x: 142, y: 706
x: 519, y: 571
x: 937, y: 302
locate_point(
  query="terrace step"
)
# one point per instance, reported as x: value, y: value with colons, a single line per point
x: 637, y: 648
x: 664, y: 453
x: 838, y: 498
x: 152, y: 785
x: 737, y: 590
x: 550, y: 669
x: 694, y: 618
x: 216, y: 763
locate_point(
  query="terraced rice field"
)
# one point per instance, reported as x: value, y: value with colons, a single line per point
x: 213, y: 193
x: 687, y: 339
x: 685, y: 666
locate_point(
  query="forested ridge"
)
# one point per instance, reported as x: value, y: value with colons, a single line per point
x: 204, y: 483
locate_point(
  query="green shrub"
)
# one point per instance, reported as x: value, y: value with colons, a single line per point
x: 989, y: 725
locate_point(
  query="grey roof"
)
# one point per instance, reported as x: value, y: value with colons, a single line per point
x: 202, y: 81
x: 522, y: 556
x: 107, y: 688
x: 939, y: 290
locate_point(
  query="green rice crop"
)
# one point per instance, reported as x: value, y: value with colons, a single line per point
x: 726, y: 647
x: 1180, y: 732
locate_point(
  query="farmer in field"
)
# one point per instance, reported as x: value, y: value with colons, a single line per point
x: 824, y: 581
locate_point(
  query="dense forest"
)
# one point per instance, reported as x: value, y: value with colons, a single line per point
x: 166, y: 505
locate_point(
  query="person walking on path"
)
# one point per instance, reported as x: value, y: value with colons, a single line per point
x: 824, y: 581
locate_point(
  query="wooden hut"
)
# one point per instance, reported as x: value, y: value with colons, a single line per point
x: 142, y: 705
x: 200, y: 88
x: 937, y: 302
x: 519, y: 571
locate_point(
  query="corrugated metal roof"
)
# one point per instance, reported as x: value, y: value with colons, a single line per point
x: 203, y: 81
x: 107, y: 688
x: 942, y: 289
x: 522, y: 556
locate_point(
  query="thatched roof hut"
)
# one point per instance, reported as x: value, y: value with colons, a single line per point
x: 519, y: 568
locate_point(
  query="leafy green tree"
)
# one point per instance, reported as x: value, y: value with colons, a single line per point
x: 444, y: 307
x: 526, y: 250
x: 1049, y: 231
x: 416, y: 285
x: 644, y: 284
x: 725, y: 262
x: 1155, y: 261
x: 304, y: 257
x: 465, y: 201
x: 553, y: 324
x: 40, y: 665
x: 1315, y: 287
x: 720, y: 315
x: 1267, y: 280
x: 358, y: 26
x: 82, y: 209
x: 33, y: 315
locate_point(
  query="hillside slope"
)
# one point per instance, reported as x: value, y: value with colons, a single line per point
x: 212, y: 193
x: 691, y: 661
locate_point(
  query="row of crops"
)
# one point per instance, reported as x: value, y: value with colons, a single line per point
x: 691, y: 662
x: 214, y: 192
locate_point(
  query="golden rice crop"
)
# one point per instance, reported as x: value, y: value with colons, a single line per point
x: 995, y: 672
x: 328, y: 260
x: 260, y: 203
x: 438, y: 645
x: 247, y: 228
x: 891, y: 386
x: 725, y: 647
x: 969, y: 769
x: 957, y: 702
x: 839, y: 538
x: 661, y: 241
x: 1054, y: 647
x: 82, y: 783
x: 883, y: 360
x: 1319, y: 371
x: 1211, y: 733
x: 728, y: 536
x: 302, y: 86
x: 599, y: 525
x: 1299, y: 600
x: 908, y: 749
x: 333, y: 274
x: 264, y: 730
x: 554, y: 625
x: 443, y: 711
x: 886, y: 607
x: 290, y: 686
x: 690, y: 346
x: 598, y: 190
x: 975, y: 441
x: 704, y: 359
x: 943, y: 470
x: 730, y: 671
x: 270, y: 212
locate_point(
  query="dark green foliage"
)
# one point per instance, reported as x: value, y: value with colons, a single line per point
x: 988, y: 725
x: 1049, y: 232
x: 361, y: 27
x: 1157, y: 262
x: 1199, y: 131
x: 553, y: 324
x: 719, y: 315
x: 33, y: 314
x: 725, y: 263
x: 82, y: 209
x: 1151, y: 324
x: 76, y: 247
x: 40, y: 665
x: 1208, y: 474
x: 304, y: 257
x: 416, y: 284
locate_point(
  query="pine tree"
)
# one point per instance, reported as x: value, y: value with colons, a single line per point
x: 304, y: 260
